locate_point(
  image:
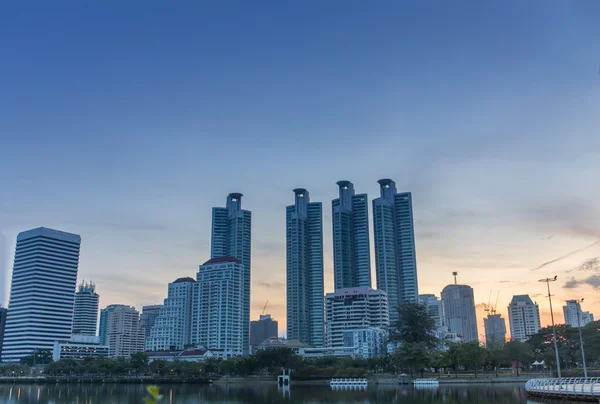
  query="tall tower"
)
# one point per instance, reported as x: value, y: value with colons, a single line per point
x: 231, y: 237
x: 395, y: 258
x: 304, y: 270
x: 120, y: 329
x: 458, y: 302
x: 523, y: 317
x: 85, y: 312
x: 351, y: 247
x: 40, y: 309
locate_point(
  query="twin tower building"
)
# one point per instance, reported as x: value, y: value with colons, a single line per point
x: 395, y: 260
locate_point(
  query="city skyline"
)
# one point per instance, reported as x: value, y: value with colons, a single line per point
x: 128, y: 136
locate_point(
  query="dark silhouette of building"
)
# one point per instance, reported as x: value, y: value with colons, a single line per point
x: 261, y: 330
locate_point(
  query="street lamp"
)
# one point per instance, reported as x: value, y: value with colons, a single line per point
x: 548, y: 280
x: 580, y: 337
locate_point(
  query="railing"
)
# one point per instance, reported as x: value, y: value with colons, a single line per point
x: 574, y: 387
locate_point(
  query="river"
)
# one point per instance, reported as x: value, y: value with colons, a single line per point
x: 259, y: 393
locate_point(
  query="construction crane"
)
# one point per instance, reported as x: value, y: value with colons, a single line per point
x: 496, y: 304
x: 265, y: 308
x: 487, y: 306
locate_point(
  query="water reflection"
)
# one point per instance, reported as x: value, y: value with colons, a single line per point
x: 260, y: 393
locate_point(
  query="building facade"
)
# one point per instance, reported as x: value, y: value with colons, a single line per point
x: 148, y: 317
x: 218, y: 308
x: 79, y: 347
x: 495, y: 330
x: 574, y: 316
x: 459, y: 311
x: 354, y: 308
x: 523, y: 317
x: 395, y: 257
x: 367, y: 342
x: 172, y: 329
x: 351, y: 245
x: 3, y: 312
x: 231, y: 237
x: 261, y: 330
x: 121, y: 331
x: 85, y: 311
x: 40, y: 309
x: 434, y: 308
x: 304, y: 269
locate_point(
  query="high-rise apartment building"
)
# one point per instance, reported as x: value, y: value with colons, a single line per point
x: 120, y: 330
x: 148, y: 317
x: 173, y: 326
x: 523, y: 317
x: 574, y: 316
x: 459, y: 311
x: 261, y: 330
x: 85, y: 311
x: 40, y: 309
x: 3, y: 312
x: 495, y: 330
x: 352, y: 309
x: 435, y: 309
x: 231, y: 237
x: 395, y: 258
x: 219, y: 306
x: 304, y: 269
x: 351, y: 246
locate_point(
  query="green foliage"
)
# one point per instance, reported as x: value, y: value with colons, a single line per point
x: 155, y: 395
x: 415, y: 325
x: 13, y: 369
x: 472, y: 356
x: 38, y: 357
x: 412, y: 356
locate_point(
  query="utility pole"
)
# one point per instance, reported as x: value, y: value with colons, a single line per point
x: 580, y: 337
x: 548, y: 280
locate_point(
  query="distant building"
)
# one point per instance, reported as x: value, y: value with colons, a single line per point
x: 85, y: 311
x: 121, y: 331
x: 231, y: 237
x: 459, y: 311
x: 173, y: 326
x: 395, y: 255
x: 262, y: 329
x: 40, y: 309
x: 524, y: 318
x: 351, y: 246
x: 354, y: 308
x: 304, y: 269
x: 368, y: 342
x: 218, y: 307
x: 278, y: 342
x: 3, y: 312
x: 434, y: 308
x: 574, y: 316
x: 495, y: 330
x: 79, y: 347
x: 187, y: 355
x: 148, y: 317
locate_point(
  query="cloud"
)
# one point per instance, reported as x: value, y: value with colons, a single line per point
x: 271, y: 285
x: 562, y: 257
x: 590, y: 265
x: 593, y: 281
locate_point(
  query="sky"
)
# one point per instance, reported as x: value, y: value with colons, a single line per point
x: 125, y: 122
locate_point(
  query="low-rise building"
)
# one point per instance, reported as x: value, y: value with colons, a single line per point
x: 367, y: 342
x: 187, y: 355
x: 79, y: 347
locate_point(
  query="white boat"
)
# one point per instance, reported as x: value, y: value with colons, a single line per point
x: 426, y: 382
x: 348, y: 382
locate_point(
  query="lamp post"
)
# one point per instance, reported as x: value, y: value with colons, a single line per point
x: 580, y: 337
x: 548, y: 280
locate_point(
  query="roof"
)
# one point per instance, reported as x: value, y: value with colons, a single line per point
x: 193, y: 352
x: 222, y: 259
x: 49, y: 233
x: 184, y: 279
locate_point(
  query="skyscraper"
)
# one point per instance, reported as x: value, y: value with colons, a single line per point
x: 435, y: 309
x: 85, y: 311
x: 262, y: 329
x: 218, y: 307
x: 459, y: 311
x: 231, y: 237
x: 148, y: 317
x: 304, y: 269
x: 121, y: 331
x: 353, y: 309
x: 395, y: 259
x: 495, y: 330
x: 523, y: 317
x: 351, y: 247
x: 574, y: 316
x: 173, y: 326
x: 3, y: 312
x: 40, y: 309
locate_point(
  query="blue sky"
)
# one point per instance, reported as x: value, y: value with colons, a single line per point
x: 126, y: 122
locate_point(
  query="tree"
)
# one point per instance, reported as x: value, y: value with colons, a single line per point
x: 139, y: 361
x: 413, y: 356
x: 518, y: 353
x: 38, y: 357
x: 472, y: 355
x: 415, y: 325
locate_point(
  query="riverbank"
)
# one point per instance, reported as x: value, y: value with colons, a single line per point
x: 102, y: 380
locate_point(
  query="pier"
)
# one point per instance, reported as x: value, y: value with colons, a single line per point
x: 574, y: 388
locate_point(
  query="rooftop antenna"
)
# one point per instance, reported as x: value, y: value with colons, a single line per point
x: 455, y: 274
